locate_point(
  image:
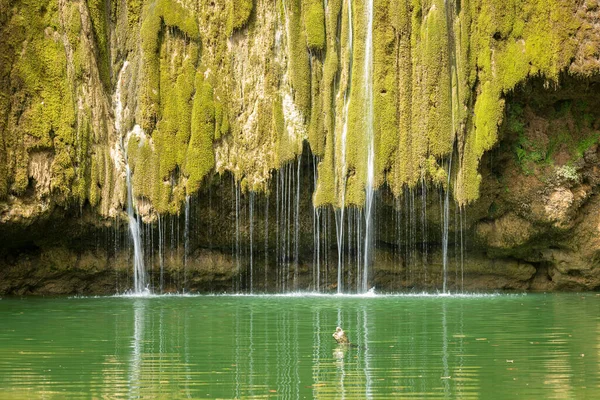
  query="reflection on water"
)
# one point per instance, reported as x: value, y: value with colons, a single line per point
x: 535, y: 346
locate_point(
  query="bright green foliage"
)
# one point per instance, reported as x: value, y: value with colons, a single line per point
x: 562, y: 136
x: 314, y: 23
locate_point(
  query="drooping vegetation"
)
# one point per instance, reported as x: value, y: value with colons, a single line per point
x: 230, y: 85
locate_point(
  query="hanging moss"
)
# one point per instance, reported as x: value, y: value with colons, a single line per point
x: 385, y: 88
x: 172, y: 15
x: 325, y: 193
x: 99, y: 16
x: 511, y: 44
x: 316, y: 137
x: 314, y: 23
x: 441, y: 71
x: 239, y: 13
x: 200, y: 159
x: 357, y: 141
x: 299, y: 68
x: 400, y: 18
x: 437, y: 81
x: 134, y: 8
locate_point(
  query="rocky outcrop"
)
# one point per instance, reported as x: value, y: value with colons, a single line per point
x: 259, y: 111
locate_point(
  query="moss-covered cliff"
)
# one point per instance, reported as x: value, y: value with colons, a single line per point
x: 184, y: 90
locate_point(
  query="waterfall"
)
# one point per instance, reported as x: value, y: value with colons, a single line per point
x: 251, y: 216
x: 316, y: 233
x: 371, y: 149
x: 186, y: 240
x: 266, y: 242
x: 161, y: 257
x: 424, y: 237
x: 341, y: 176
x: 446, y: 217
x: 237, y: 230
x: 139, y: 273
x: 297, y: 224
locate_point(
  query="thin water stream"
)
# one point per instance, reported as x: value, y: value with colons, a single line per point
x: 369, y: 128
x: 139, y: 271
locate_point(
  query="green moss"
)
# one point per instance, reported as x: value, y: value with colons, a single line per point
x: 586, y: 143
x: 385, y: 88
x: 73, y: 28
x: 316, y: 136
x: 511, y: 44
x: 173, y: 15
x: 96, y: 180
x: 298, y: 64
x: 40, y: 115
x: 63, y: 173
x: 99, y: 16
x: 200, y: 159
x: 400, y: 18
x: 357, y: 140
x: 314, y: 23
x: 134, y: 8
x: 437, y: 91
x: 239, y: 13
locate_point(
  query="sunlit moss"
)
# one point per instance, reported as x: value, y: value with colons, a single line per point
x: 316, y: 136
x: 200, y: 157
x: 511, y: 44
x: 173, y: 15
x: 314, y: 23
x: 385, y: 88
x: 98, y: 14
x: 239, y: 12
x: 325, y: 193
x: 299, y: 68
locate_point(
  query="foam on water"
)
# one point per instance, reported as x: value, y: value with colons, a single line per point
x: 302, y: 294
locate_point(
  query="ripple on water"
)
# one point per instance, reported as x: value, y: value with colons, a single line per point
x: 236, y: 346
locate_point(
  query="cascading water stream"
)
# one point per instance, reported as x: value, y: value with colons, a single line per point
x: 297, y: 224
x: 369, y: 189
x: 161, y: 256
x: 341, y: 176
x: 139, y: 273
x: 251, y: 216
x: 186, y: 240
x: 446, y: 217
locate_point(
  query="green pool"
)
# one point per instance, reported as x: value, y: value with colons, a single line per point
x: 482, y: 347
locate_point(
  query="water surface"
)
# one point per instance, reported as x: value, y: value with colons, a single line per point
x: 487, y: 347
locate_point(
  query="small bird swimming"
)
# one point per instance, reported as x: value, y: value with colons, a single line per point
x: 340, y: 336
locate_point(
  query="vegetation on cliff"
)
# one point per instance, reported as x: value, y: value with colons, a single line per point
x: 238, y: 86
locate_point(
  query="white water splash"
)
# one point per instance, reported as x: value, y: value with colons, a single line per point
x: 139, y: 273
x: 369, y: 189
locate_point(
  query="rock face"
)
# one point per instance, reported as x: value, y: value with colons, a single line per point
x: 255, y: 115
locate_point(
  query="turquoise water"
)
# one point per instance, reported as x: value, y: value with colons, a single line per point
x: 480, y: 347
